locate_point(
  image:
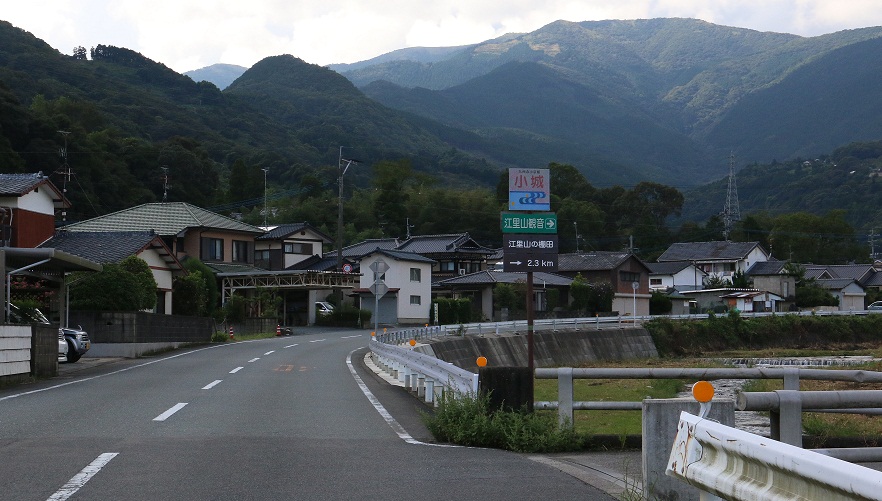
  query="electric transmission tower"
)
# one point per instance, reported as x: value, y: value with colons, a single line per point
x: 731, y: 211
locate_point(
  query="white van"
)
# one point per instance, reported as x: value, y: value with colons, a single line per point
x: 323, y: 308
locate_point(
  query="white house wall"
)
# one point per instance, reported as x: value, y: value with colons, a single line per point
x: 398, y: 277
x: 161, y: 273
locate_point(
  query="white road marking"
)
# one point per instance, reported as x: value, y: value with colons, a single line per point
x: 167, y: 414
x: 269, y: 352
x: 80, y: 479
x: 350, y: 337
x: 212, y: 384
x: 317, y: 340
x: 291, y: 345
x: 254, y: 360
x: 237, y: 369
x: 395, y: 425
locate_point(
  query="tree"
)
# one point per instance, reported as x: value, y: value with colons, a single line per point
x: 189, y: 295
x: 119, y: 287
x: 208, y: 290
x: 660, y: 303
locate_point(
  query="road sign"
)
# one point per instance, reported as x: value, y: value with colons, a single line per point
x: 529, y: 189
x: 347, y: 268
x: 529, y: 223
x: 379, y: 289
x: 520, y: 262
x: 379, y: 267
x: 530, y: 244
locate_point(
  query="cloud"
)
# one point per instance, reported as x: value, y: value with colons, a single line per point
x: 188, y: 34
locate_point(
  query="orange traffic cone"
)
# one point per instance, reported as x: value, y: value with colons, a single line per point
x: 278, y: 330
x: 231, y: 332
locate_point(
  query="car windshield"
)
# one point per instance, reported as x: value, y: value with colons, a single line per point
x: 26, y: 315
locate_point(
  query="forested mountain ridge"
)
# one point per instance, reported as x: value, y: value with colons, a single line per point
x: 126, y: 118
x: 694, y: 80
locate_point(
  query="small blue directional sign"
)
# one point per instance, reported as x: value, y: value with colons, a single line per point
x: 529, y: 189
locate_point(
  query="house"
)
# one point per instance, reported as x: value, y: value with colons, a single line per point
x: 717, y: 259
x: 409, y: 282
x: 847, y: 282
x: 454, y: 254
x: 681, y: 275
x: 628, y: 275
x: 752, y: 301
x: 186, y: 229
x: 27, y: 209
x: 479, y: 287
x: 286, y: 245
x: 773, y: 277
x: 114, y: 246
x: 850, y: 293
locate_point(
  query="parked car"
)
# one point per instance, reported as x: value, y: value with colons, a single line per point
x: 323, y: 308
x: 78, y: 342
x: 875, y: 306
x: 62, y: 347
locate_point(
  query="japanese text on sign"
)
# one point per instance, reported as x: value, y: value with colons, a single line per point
x: 531, y: 244
x: 528, y: 189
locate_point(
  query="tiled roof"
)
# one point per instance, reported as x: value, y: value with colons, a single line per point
x: 362, y: 248
x: 766, y: 268
x: 591, y: 261
x: 165, y: 219
x: 834, y: 283
x: 286, y: 230
x: 707, y: 251
x: 503, y: 277
x: 858, y: 272
x: 401, y: 256
x: 219, y: 268
x: 669, y: 268
x: 316, y: 263
x: 108, y: 246
x: 443, y: 244
x: 19, y: 184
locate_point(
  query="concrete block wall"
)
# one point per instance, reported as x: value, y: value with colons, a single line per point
x: 128, y: 327
x: 551, y: 349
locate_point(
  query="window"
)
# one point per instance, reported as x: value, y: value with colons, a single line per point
x: 416, y: 300
x: 213, y: 249
x: 629, y: 276
x: 446, y: 266
x: 415, y: 275
x: 240, y: 251
x: 655, y: 281
x: 298, y: 248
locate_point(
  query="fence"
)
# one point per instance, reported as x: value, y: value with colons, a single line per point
x: 421, y: 373
x: 736, y: 465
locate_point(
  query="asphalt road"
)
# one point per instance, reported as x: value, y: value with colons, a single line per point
x: 283, y: 418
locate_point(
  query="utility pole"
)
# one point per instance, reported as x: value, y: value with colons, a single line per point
x: 408, y: 226
x: 576, y: 227
x: 65, y: 171
x: 265, y: 210
x: 341, y: 170
x: 731, y: 211
x: 165, y: 185
x: 873, y: 244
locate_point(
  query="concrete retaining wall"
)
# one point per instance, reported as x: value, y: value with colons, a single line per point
x: 129, y: 334
x: 551, y: 349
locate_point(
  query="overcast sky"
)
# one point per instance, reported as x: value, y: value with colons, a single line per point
x: 190, y: 34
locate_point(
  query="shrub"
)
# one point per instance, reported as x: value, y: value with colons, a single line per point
x: 345, y: 316
x: 466, y: 420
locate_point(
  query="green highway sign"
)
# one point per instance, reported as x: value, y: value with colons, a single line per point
x: 529, y: 223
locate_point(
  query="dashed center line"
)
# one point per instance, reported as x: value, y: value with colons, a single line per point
x: 80, y: 479
x: 167, y: 414
x: 254, y: 359
x: 269, y: 352
x: 317, y: 340
x: 349, y: 337
x: 212, y: 384
x: 237, y: 369
x: 291, y: 345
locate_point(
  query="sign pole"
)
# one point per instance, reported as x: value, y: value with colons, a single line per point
x: 530, y: 321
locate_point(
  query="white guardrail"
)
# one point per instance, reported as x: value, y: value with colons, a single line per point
x: 737, y: 465
x: 520, y: 326
x: 424, y: 374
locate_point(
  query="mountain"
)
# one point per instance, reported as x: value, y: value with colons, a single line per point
x: 670, y: 98
x: 221, y: 75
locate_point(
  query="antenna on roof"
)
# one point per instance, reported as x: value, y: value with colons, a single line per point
x: 731, y: 211
x: 408, y: 226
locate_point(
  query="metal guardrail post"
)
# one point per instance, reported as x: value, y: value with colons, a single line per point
x: 788, y: 418
x: 565, y: 396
